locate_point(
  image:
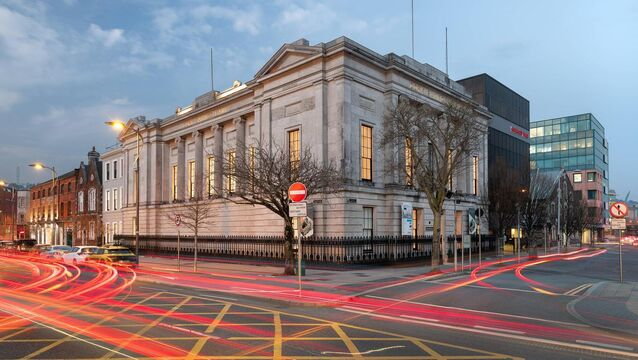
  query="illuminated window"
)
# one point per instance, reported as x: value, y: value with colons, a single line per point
x: 591, y: 176
x: 578, y: 177
x: 191, y: 179
x: 294, y: 149
x: 174, y: 183
x: 366, y: 153
x: 475, y: 174
x: 211, y: 176
x: 409, y: 164
x: 415, y: 224
x: 231, y: 181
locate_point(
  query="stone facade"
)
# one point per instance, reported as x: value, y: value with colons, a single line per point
x: 327, y: 92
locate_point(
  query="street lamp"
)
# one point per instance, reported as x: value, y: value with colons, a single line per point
x: 119, y: 125
x: 40, y: 166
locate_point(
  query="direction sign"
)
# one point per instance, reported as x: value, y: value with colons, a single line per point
x: 618, y: 210
x: 297, y: 209
x: 618, y: 224
x: 297, y: 192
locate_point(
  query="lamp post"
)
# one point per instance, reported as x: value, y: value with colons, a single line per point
x: 14, y: 199
x: 119, y: 125
x: 40, y: 166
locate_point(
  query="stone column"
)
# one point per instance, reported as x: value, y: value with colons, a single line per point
x: 199, y: 164
x: 181, y: 163
x: 240, y: 146
x: 321, y: 95
x: 390, y: 152
x: 218, y: 153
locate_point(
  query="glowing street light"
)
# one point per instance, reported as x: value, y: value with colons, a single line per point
x: 40, y: 166
x: 119, y: 125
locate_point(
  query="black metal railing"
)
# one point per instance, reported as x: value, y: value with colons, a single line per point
x: 344, y: 250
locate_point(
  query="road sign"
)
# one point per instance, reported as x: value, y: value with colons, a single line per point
x: 178, y: 220
x: 297, y: 192
x: 618, y: 210
x: 471, y: 222
x: 307, y: 227
x: 297, y: 209
x: 467, y: 241
x: 618, y: 224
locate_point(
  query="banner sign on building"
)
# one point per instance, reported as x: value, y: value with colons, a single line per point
x: 406, y: 219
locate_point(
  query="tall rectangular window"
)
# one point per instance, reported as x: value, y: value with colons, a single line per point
x: 191, y: 179
x: 211, y: 176
x: 115, y: 199
x: 231, y: 182
x: 368, y: 221
x: 475, y: 174
x: 294, y: 149
x: 174, y: 183
x: 409, y: 164
x: 108, y: 171
x: 415, y: 219
x: 366, y: 153
x: 107, y: 205
x: 115, y: 169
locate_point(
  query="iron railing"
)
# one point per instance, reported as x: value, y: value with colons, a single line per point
x: 345, y: 250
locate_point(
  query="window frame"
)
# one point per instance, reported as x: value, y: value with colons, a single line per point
x: 367, y: 162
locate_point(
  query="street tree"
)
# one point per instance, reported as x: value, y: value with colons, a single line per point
x: 534, y: 206
x: 505, y: 192
x: 435, y: 144
x: 262, y: 173
x: 196, y: 213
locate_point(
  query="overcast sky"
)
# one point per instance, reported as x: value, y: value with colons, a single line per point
x: 67, y: 66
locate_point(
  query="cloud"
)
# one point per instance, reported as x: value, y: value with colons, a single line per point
x: 315, y: 17
x: 8, y: 99
x: 243, y: 20
x: 107, y: 37
x: 121, y: 101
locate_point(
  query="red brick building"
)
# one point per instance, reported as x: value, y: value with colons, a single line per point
x: 44, y: 223
x: 88, y: 218
x: 8, y: 202
x: 68, y: 206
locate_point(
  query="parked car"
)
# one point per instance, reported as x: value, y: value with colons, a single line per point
x: 78, y: 254
x: 41, y: 248
x: 114, y: 255
x: 56, y: 252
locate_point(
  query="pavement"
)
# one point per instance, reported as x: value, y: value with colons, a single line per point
x: 609, y: 305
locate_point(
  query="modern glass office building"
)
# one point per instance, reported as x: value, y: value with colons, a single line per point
x: 577, y: 145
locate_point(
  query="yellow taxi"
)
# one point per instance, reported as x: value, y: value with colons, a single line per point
x: 114, y: 255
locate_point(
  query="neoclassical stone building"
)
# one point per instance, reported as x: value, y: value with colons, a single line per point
x: 331, y: 97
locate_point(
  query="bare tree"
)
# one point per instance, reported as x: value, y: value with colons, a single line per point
x: 504, y: 193
x: 534, y: 206
x: 435, y: 145
x: 262, y: 174
x: 195, y: 213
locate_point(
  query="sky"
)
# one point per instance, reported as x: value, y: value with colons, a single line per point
x: 68, y: 66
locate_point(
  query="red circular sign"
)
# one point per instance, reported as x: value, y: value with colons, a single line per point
x: 618, y: 210
x: 297, y: 192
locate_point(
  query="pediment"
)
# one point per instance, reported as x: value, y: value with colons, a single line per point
x: 129, y: 128
x: 286, y: 57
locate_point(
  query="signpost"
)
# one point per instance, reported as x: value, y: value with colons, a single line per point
x: 619, y: 210
x: 297, y: 193
x: 178, y: 222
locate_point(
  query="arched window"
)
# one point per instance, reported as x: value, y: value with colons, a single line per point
x: 80, y: 202
x: 92, y: 193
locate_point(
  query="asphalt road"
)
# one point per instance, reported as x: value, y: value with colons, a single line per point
x: 501, y: 311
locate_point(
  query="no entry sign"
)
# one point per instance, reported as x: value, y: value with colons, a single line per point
x: 297, y: 192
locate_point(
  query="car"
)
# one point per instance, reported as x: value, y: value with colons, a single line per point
x: 56, y: 251
x: 114, y: 255
x: 40, y: 248
x: 78, y: 254
x: 635, y: 243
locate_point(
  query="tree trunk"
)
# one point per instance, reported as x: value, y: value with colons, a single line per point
x: 289, y: 235
x: 436, y: 240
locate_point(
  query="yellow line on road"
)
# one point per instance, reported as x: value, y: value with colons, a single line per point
x: 277, y: 341
x: 218, y: 319
x: 346, y: 340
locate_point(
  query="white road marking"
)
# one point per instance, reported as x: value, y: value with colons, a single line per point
x: 69, y: 334
x: 578, y: 289
x: 497, y: 329
x: 617, y: 347
x: 419, y: 318
x: 362, y: 353
x: 356, y: 308
x: 505, y: 335
x: 482, y: 312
